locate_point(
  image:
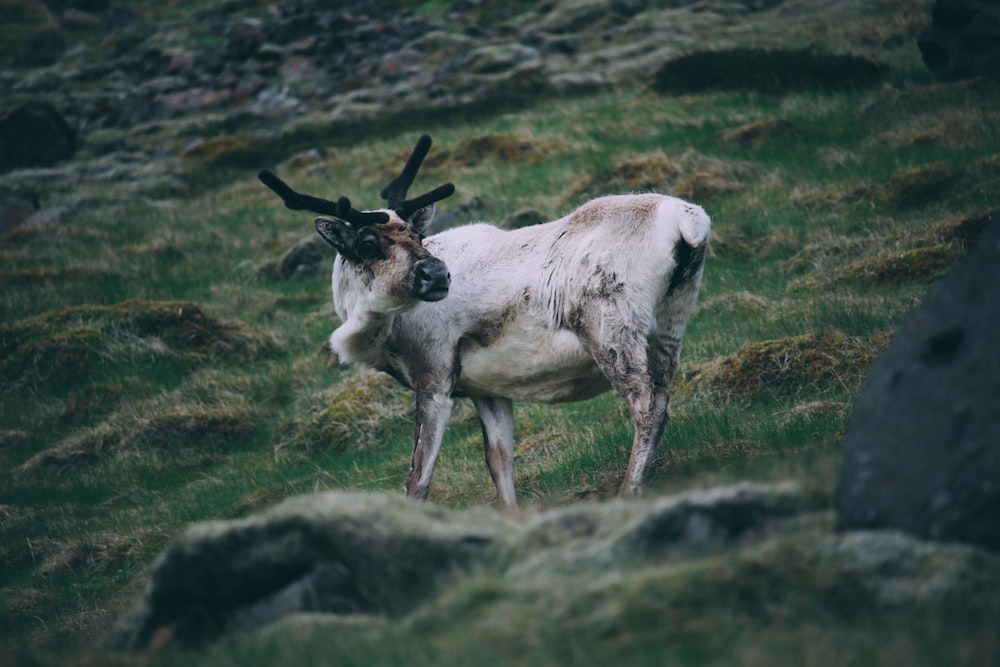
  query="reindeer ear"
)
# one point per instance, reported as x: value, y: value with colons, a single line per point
x: 421, y: 219
x: 338, y: 233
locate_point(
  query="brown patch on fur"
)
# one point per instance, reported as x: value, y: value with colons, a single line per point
x: 492, y: 326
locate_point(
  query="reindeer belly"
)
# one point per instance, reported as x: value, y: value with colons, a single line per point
x: 528, y: 365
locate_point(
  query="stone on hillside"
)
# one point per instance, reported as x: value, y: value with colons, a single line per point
x: 963, y: 39
x: 34, y: 134
x: 922, y: 451
x: 765, y: 70
x: 305, y: 259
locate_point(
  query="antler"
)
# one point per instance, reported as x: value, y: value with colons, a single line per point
x: 300, y: 202
x: 395, y: 192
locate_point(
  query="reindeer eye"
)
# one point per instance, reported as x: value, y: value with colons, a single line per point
x: 369, y: 248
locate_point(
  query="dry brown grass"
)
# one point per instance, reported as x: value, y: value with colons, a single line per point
x: 691, y: 175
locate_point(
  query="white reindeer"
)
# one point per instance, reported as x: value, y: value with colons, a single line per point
x: 561, y: 311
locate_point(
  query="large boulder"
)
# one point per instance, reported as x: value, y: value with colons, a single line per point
x: 963, y: 39
x: 34, y: 134
x: 922, y: 451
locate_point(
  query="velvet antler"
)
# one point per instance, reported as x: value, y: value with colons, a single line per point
x: 395, y: 192
x: 300, y: 202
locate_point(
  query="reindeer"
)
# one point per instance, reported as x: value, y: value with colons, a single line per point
x: 562, y: 311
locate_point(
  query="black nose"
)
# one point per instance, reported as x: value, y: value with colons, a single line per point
x: 430, y: 279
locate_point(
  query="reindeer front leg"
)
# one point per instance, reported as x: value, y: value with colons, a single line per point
x: 433, y: 411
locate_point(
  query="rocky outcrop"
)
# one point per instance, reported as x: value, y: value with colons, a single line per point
x: 963, y: 39
x: 378, y: 559
x: 349, y: 554
x: 922, y: 451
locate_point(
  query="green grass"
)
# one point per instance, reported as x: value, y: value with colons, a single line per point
x: 799, y: 242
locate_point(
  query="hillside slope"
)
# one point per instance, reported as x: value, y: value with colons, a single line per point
x: 162, y: 316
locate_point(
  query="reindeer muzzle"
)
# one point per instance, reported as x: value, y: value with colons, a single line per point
x: 430, y: 279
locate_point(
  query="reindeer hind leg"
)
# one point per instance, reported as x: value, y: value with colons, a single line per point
x: 497, y: 418
x: 618, y: 346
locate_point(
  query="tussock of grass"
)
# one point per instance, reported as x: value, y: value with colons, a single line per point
x: 359, y: 414
x: 906, y: 255
x: 758, y: 133
x: 507, y: 148
x: 177, y: 427
x: 105, y: 552
x: 67, y: 347
x: 742, y: 302
x: 220, y: 150
x: 801, y: 365
x: 922, y: 184
x: 691, y: 175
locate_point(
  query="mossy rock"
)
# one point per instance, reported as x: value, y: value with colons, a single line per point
x: 765, y: 70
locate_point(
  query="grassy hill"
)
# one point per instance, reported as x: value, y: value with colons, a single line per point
x: 156, y: 371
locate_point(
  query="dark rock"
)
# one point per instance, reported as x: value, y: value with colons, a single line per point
x: 245, y: 38
x: 922, y: 451
x: 963, y: 39
x: 44, y: 48
x: 305, y: 259
x: 34, y: 135
x: 765, y: 70
x: 458, y: 214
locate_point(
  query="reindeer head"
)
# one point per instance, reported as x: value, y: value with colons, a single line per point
x: 386, y: 245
